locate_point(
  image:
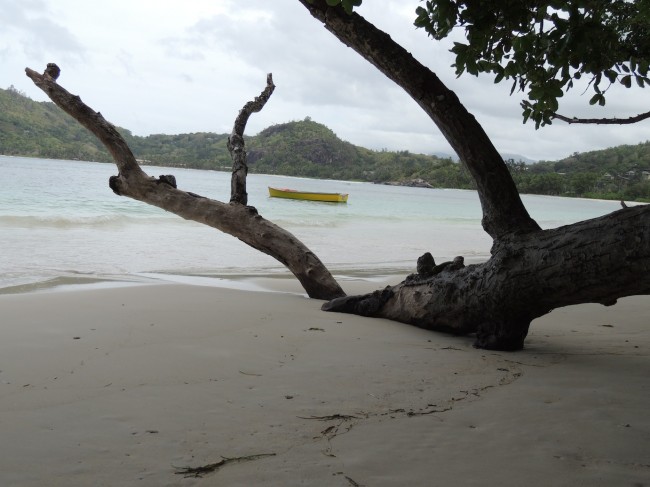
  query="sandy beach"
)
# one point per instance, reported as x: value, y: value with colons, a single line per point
x: 125, y: 386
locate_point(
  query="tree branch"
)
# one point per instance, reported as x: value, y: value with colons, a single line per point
x: 236, y: 145
x: 92, y: 120
x: 239, y: 221
x: 604, y: 121
x: 503, y: 211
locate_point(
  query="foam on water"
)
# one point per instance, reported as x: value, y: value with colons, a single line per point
x: 59, y: 220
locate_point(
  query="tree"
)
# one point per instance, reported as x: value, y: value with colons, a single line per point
x: 531, y: 271
x: 546, y: 45
x: 236, y: 218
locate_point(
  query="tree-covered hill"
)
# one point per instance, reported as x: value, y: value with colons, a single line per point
x: 303, y: 148
x: 614, y: 160
x: 299, y: 148
x: 34, y: 129
x: 621, y: 172
x: 310, y: 149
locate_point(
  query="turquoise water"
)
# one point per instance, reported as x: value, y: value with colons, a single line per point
x: 59, y: 222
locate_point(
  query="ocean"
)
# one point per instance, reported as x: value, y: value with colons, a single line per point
x: 60, y: 224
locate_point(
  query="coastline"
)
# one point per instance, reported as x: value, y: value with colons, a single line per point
x: 121, y: 385
x: 281, y: 281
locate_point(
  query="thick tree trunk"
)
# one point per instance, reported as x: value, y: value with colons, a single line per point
x: 235, y: 218
x: 598, y: 260
x: 531, y: 271
x: 503, y: 211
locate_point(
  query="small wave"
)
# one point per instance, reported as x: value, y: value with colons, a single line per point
x: 71, y: 281
x: 98, y: 221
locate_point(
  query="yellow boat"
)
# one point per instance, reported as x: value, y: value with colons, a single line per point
x: 308, y: 195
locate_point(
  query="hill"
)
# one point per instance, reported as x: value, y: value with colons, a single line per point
x: 310, y: 149
x: 298, y: 148
x: 34, y: 129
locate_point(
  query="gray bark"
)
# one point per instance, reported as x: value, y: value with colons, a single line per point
x: 595, y: 261
x: 235, y: 218
x: 236, y: 144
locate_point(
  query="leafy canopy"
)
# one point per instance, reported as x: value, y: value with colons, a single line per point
x: 544, y: 45
x: 348, y: 5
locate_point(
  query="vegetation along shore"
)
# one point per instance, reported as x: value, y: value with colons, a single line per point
x: 309, y: 149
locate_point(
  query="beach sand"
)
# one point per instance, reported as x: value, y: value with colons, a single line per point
x: 120, y: 386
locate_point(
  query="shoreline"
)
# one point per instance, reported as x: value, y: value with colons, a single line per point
x: 226, y: 169
x: 255, y: 282
x: 122, y: 385
x: 243, y: 279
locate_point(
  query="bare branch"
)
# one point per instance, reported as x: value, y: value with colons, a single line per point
x: 604, y: 121
x: 240, y: 221
x: 236, y: 145
x: 92, y: 120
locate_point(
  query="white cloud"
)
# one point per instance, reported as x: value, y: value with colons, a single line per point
x: 162, y: 66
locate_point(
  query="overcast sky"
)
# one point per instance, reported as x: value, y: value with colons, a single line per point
x: 162, y: 66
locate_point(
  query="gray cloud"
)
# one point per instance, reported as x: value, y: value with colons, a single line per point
x: 191, y: 68
x: 37, y: 34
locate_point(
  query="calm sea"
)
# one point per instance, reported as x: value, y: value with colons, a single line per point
x: 60, y: 223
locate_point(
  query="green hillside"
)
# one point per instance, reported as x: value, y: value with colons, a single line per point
x: 310, y: 149
x: 299, y: 148
x: 621, y: 172
x: 33, y: 129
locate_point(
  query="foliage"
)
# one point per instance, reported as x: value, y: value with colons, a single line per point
x: 544, y: 46
x: 621, y: 172
x: 42, y: 130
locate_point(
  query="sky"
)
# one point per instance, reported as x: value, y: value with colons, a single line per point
x: 162, y: 66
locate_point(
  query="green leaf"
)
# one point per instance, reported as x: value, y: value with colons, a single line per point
x: 536, y: 92
x: 611, y: 75
x: 594, y: 99
x: 643, y: 67
x: 626, y: 81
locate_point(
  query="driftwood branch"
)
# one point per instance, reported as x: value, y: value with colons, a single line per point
x: 237, y: 220
x: 604, y: 121
x: 92, y: 120
x: 236, y: 145
x: 197, y: 472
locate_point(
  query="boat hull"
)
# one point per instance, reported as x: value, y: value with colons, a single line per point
x: 308, y: 195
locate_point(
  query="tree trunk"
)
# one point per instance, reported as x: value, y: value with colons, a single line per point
x: 597, y: 260
x: 531, y: 271
x: 503, y: 211
x: 235, y: 218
